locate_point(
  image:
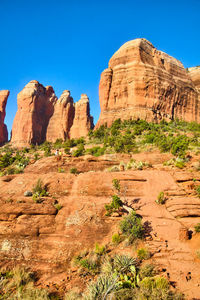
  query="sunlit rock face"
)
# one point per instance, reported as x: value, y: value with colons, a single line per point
x: 35, y: 107
x: 143, y: 82
x: 3, y: 128
x: 83, y: 121
x: 62, y: 119
x: 41, y: 116
x: 194, y: 73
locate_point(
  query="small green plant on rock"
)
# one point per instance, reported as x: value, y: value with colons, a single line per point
x: 143, y: 254
x: 114, y: 205
x: 161, y: 199
x: 100, y: 250
x: 198, y: 191
x: 197, y: 227
x: 116, y: 238
x: 39, y: 191
x: 73, y: 170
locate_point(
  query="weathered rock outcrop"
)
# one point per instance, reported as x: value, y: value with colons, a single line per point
x: 35, y: 107
x: 142, y: 82
x: 3, y: 128
x: 194, y: 73
x: 62, y: 119
x: 83, y: 122
x: 42, y: 116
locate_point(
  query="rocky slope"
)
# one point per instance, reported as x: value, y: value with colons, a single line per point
x: 42, y: 116
x: 143, y: 82
x: 3, y: 128
x: 40, y: 233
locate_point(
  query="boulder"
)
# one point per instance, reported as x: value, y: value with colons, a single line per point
x: 3, y: 128
x: 62, y: 118
x: 82, y: 122
x: 142, y: 82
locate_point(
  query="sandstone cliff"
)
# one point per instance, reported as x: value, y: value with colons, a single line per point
x: 142, y: 82
x: 194, y: 73
x: 3, y: 128
x: 62, y: 119
x: 42, y: 116
x: 83, y: 122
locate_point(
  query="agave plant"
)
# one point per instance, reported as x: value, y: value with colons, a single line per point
x: 101, y: 289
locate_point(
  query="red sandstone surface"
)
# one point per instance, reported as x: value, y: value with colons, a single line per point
x: 39, y: 236
x: 143, y: 82
x: 41, y: 116
x: 3, y: 128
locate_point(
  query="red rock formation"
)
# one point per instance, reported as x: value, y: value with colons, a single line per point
x: 35, y: 107
x: 3, y: 128
x: 83, y: 122
x: 194, y: 73
x: 62, y: 119
x: 41, y: 116
x: 142, y: 82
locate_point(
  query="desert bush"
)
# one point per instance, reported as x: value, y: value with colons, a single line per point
x: 131, y: 226
x: 39, y: 190
x: 116, y: 238
x: 143, y: 254
x: 198, y: 190
x: 96, y: 151
x: 115, y: 204
x: 197, y: 227
x: 100, y: 250
x: 73, y: 170
x: 161, y: 198
x: 147, y: 270
x: 79, y: 151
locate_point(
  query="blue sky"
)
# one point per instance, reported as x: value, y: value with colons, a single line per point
x: 67, y: 44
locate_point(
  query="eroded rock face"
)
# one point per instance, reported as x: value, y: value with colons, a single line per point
x: 62, y: 119
x: 142, y: 82
x: 35, y: 107
x: 42, y: 116
x: 82, y: 122
x: 194, y: 73
x: 3, y: 128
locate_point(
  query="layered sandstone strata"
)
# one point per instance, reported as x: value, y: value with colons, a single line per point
x: 42, y: 116
x: 3, y: 128
x: 82, y: 122
x: 62, y: 119
x: 142, y: 82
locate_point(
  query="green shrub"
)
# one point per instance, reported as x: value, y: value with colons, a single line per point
x: 197, y: 227
x: 114, y: 205
x: 60, y: 170
x: 131, y: 226
x: 79, y: 151
x: 116, y: 184
x: 39, y: 191
x: 73, y: 170
x: 161, y: 198
x: 198, y: 191
x: 143, y: 254
x: 100, y: 250
x: 96, y: 151
x: 116, y: 238
x: 58, y: 206
x: 147, y: 270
